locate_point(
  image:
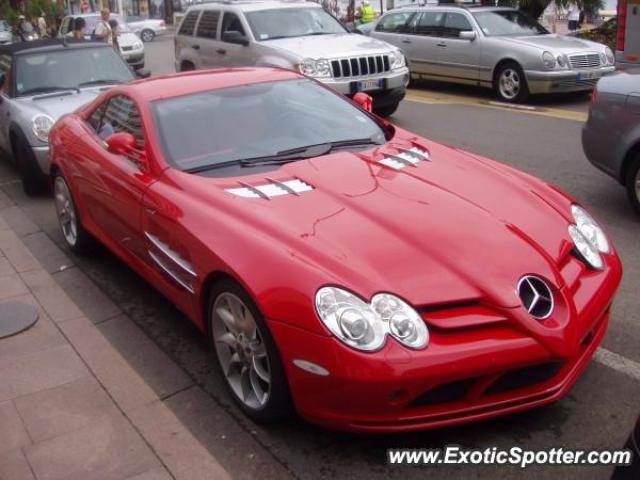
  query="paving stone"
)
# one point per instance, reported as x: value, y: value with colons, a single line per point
x: 4, y: 202
x: 11, y: 286
x: 109, y: 449
x: 5, y: 267
x: 12, y: 432
x: 95, y: 305
x: 46, y: 252
x: 17, y: 254
x: 14, y: 466
x: 144, y: 356
x: 155, y: 474
x: 18, y: 221
x: 51, y: 296
x: 25, y: 374
x: 72, y: 406
x: 125, y: 386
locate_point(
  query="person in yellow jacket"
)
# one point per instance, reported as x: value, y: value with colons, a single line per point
x: 366, y: 13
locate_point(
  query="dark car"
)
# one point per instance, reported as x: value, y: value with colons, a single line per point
x: 611, y: 136
x: 631, y: 472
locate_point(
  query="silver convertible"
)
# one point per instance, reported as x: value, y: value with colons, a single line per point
x: 495, y: 47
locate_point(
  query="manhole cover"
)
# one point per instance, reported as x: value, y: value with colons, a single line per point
x: 16, y: 317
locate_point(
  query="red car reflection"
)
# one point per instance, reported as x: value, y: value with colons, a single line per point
x: 363, y: 276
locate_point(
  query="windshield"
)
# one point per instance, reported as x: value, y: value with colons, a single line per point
x: 92, y: 21
x: 292, y: 22
x: 68, y: 68
x: 255, y: 121
x: 508, y: 22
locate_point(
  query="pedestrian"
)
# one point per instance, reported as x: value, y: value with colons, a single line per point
x: 551, y: 16
x: 42, y: 25
x: 115, y: 31
x: 573, y: 16
x: 103, y: 29
x: 79, y: 24
x: 365, y: 13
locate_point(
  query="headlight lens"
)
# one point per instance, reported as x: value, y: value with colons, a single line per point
x: 397, y: 59
x: 609, y: 54
x: 41, y: 126
x: 588, y: 252
x: 365, y: 326
x: 588, y: 237
x: 562, y: 60
x: 315, y: 68
x: 548, y: 60
x: 137, y: 45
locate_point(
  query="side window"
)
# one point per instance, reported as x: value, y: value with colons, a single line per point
x: 429, y: 23
x: 395, y: 23
x: 188, y: 25
x: 456, y: 23
x: 95, y: 120
x: 208, y: 24
x: 5, y: 69
x: 231, y: 23
x: 121, y: 115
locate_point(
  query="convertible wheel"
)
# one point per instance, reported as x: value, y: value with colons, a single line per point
x: 247, y: 356
x: 147, y: 35
x: 511, y: 84
x: 386, y: 111
x: 75, y: 236
x: 632, y: 181
x: 33, y: 181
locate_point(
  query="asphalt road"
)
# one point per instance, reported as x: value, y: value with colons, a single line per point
x: 597, y: 414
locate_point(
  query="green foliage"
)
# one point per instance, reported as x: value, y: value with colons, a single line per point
x: 536, y: 7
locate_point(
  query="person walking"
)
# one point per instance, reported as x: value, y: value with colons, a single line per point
x: 113, y: 23
x: 42, y: 25
x: 103, y: 30
x: 79, y: 24
x: 573, y: 16
x: 366, y: 13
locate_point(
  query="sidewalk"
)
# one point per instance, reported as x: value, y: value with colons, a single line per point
x: 71, y: 406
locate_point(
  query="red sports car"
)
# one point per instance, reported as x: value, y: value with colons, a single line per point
x: 369, y: 278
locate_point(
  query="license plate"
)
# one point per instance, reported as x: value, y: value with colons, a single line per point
x: 587, y: 75
x: 369, y: 85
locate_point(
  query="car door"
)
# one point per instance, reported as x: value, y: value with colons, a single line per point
x: 459, y: 58
x: 393, y: 28
x: 232, y: 54
x: 111, y: 186
x: 207, y: 38
x: 421, y: 45
x: 187, y: 46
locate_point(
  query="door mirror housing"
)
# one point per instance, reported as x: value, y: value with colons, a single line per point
x: 364, y: 101
x: 233, y: 36
x: 121, y: 143
x: 467, y: 35
x: 143, y: 73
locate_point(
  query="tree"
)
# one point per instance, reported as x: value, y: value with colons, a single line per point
x: 535, y: 7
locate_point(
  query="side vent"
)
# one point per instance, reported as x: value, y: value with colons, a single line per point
x: 274, y: 188
x: 406, y: 157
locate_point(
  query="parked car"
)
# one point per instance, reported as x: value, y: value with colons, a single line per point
x: 372, y: 278
x: 296, y: 35
x: 495, y: 47
x: 41, y: 81
x: 146, y: 28
x: 630, y: 472
x: 6, y: 35
x: 611, y: 135
x: 131, y: 47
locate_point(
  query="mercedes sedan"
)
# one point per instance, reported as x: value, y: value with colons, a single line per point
x: 366, y: 277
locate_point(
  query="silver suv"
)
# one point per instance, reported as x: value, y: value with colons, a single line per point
x: 296, y: 35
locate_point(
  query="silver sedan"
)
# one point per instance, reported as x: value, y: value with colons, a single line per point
x: 499, y: 48
x: 146, y: 28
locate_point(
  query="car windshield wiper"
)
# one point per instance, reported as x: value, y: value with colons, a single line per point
x: 104, y: 81
x: 47, y: 89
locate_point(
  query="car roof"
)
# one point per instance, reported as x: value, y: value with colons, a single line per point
x: 453, y: 6
x: 253, y: 5
x: 48, y: 45
x: 185, y: 83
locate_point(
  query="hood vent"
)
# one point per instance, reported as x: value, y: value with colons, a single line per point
x: 274, y: 188
x: 406, y: 157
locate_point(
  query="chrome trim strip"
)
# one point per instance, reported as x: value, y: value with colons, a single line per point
x: 274, y: 188
x: 283, y: 186
x: 255, y: 190
x: 171, y: 255
x: 168, y: 271
x: 402, y: 160
x: 415, y: 152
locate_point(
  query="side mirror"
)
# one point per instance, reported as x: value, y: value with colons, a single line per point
x: 121, y: 143
x: 233, y: 36
x: 467, y: 35
x: 364, y: 101
x: 143, y: 73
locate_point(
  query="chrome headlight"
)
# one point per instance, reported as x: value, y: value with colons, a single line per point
x: 563, y: 61
x: 548, y: 60
x: 611, y: 59
x: 315, y: 68
x: 41, y: 126
x: 365, y: 326
x: 588, y: 237
x: 397, y: 59
x: 137, y: 45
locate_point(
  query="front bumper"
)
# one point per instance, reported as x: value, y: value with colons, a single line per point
x: 565, y: 80
x: 42, y: 158
x: 464, y: 375
x: 392, y: 80
x: 135, y: 59
x: 597, y: 145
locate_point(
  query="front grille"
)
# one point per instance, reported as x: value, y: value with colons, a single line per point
x: 127, y: 49
x: 524, y: 377
x: 586, y: 60
x: 576, y: 84
x: 360, y: 66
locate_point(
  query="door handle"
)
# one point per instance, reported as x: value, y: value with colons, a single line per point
x: 196, y: 47
x: 406, y: 41
x: 221, y: 51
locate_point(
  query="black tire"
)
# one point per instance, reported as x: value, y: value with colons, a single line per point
x: 147, y: 35
x: 510, y: 83
x: 83, y: 241
x: 386, y: 111
x: 278, y: 406
x: 33, y: 180
x: 187, y: 67
x: 632, y: 182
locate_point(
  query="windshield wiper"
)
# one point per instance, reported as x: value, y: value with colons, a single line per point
x: 36, y: 90
x: 104, y: 81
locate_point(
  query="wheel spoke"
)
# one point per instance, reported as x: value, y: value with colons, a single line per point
x: 227, y: 318
x: 229, y: 340
x: 245, y: 383
x: 257, y: 389
x: 260, y: 369
x: 235, y: 366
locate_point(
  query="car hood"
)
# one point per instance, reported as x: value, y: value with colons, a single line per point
x: 339, y: 45
x: 457, y: 228
x: 57, y: 105
x: 557, y: 43
x: 127, y: 39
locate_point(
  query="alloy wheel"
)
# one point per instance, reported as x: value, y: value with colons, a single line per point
x: 147, y: 36
x: 241, y: 350
x: 509, y: 83
x: 66, y: 211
